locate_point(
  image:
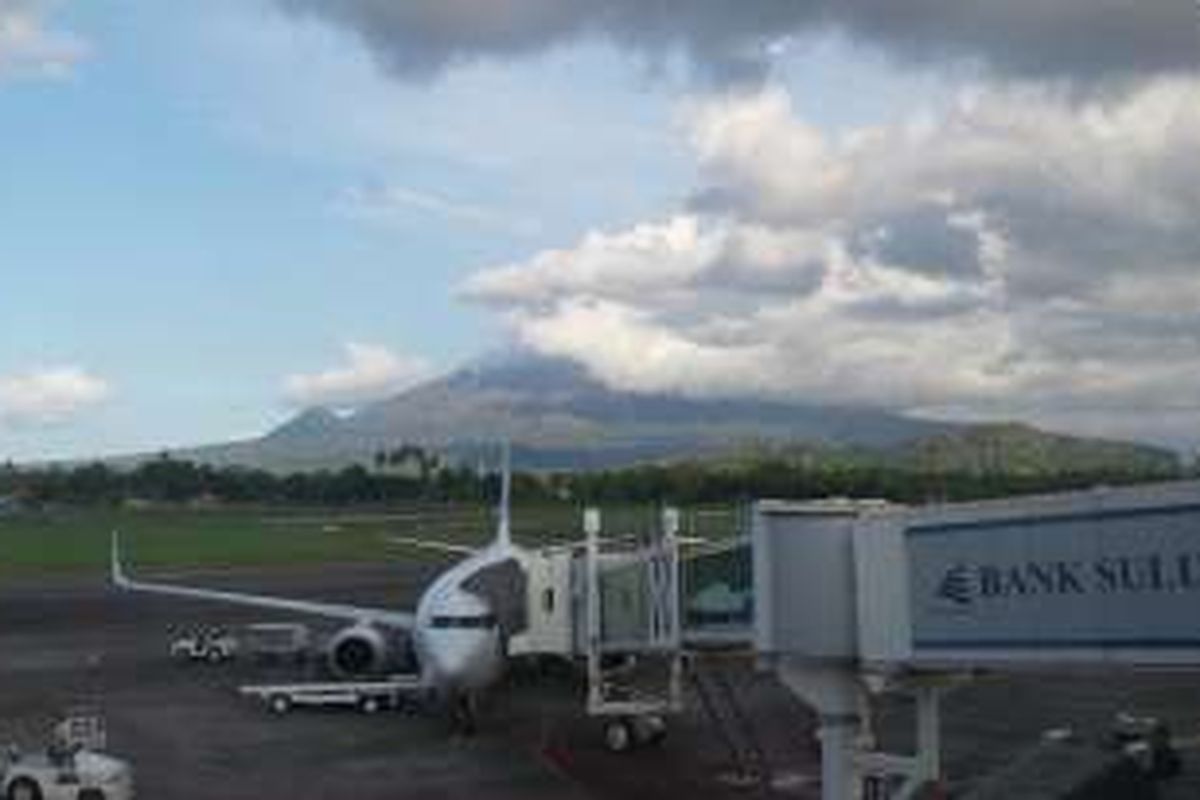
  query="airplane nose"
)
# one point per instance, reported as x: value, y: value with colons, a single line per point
x: 464, y: 662
x: 453, y: 665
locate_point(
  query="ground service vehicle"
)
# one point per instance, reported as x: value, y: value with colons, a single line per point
x: 79, y: 775
x: 70, y: 768
x: 210, y: 644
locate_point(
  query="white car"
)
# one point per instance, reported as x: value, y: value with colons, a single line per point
x: 65, y: 775
x: 210, y: 644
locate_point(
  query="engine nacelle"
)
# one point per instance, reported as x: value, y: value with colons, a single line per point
x: 359, y: 651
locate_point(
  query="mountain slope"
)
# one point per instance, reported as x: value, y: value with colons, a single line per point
x: 558, y: 417
x: 1023, y: 450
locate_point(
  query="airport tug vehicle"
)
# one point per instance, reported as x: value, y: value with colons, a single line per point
x: 70, y: 768
x: 212, y: 645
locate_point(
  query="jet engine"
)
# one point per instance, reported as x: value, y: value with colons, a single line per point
x: 359, y: 651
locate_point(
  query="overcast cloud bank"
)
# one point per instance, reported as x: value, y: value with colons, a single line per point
x: 1081, y: 41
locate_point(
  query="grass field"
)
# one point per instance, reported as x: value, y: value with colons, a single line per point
x: 77, y: 540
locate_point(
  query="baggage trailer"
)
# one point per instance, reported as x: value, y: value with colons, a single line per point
x: 396, y: 691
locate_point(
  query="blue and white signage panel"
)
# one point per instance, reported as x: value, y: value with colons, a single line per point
x: 1084, y: 581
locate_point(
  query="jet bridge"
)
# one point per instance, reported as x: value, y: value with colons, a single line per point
x: 612, y: 603
x: 843, y: 599
x: 850, y: 597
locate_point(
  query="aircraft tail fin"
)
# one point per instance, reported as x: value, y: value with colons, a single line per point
x: 116, y: 570
x: 504, y: 526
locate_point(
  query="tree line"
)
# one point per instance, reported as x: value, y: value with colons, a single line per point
x: 179, y: 481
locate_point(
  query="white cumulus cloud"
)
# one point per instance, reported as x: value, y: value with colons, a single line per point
x: 49, y: 396
x: 371, y: 372
x: 1022, y: 253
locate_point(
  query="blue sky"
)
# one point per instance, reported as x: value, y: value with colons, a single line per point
x: 186, y: 244
x: 214, y: 213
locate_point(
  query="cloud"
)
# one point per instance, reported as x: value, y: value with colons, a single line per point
x: 371, y: 373
x: 669, y: 263
x: 386, y: 203
x: 1019, y: 254
x: 730, y: 40
x: 28, y: 48
x: 826, y: 342
x: 49, y: 396
x: 1007, y: 168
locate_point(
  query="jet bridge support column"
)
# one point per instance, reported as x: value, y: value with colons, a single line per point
x: 806, y: 619
x: 929, y: 733
x: 837, y: 696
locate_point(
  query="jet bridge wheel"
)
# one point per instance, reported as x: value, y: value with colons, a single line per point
x: 653, y: 729
x: 24, y: 789
x: 619, y: 735
x: 279, y: 703
x: 622, y: 734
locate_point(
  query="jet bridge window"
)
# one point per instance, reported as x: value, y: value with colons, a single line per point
x: 478, y: 621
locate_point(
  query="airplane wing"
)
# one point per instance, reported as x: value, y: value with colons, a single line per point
x: 358, y: 614
x: 579, y: 544
x: 426, y: 544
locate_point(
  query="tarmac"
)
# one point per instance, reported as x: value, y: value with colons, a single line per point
x: 67, y: 641
x: 75, y: 641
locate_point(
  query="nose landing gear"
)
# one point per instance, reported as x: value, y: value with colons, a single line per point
x: 463, y: 707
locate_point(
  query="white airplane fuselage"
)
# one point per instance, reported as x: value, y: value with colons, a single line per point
x: 456, y: 635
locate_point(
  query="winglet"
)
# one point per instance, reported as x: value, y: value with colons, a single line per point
x: 504, y: 529
x: 116, y: 571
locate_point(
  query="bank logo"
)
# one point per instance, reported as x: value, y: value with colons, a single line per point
x: 956, y: 587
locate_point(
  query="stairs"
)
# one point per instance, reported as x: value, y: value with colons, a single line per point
x: 733, y: 726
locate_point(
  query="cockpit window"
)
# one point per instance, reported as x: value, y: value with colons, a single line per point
x: 477, y: 621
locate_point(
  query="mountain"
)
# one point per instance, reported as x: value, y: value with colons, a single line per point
x: 558, y: 417
x: 1011, y: 449
x: 1023, y: 450
x: 313, y: 423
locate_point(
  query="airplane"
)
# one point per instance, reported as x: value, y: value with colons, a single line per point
x: 457, y: 632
